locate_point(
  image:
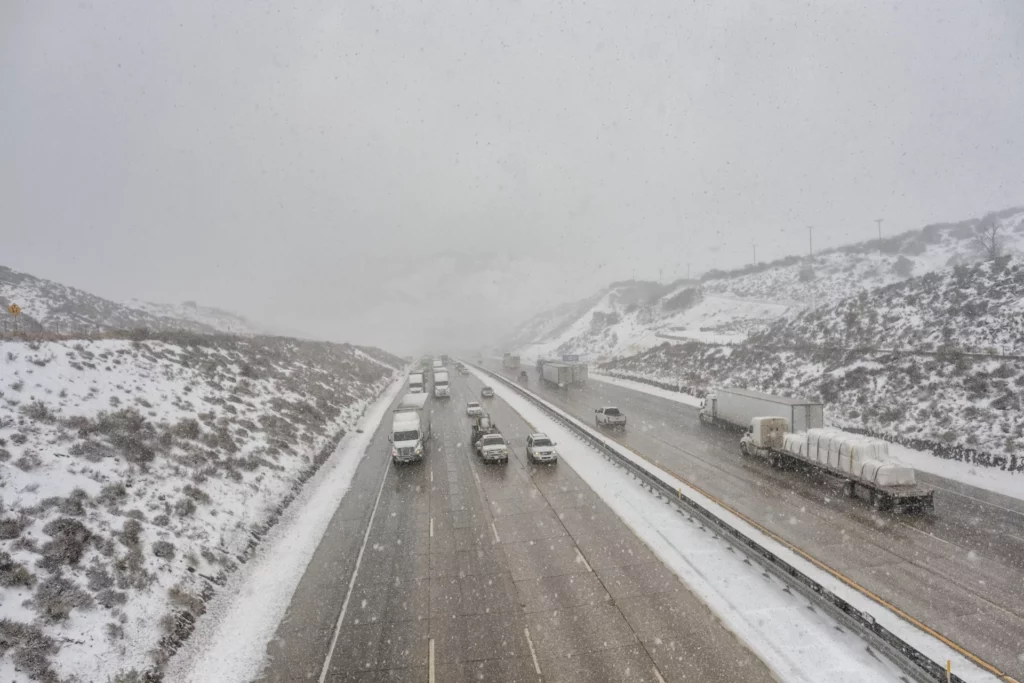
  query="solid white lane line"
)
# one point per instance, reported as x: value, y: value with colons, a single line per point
x: 584, y: 561
x: 355, y: 573
x: 430, y: 662
x: 495, y: 530
x: 657, y: 674
x: 533, y: 653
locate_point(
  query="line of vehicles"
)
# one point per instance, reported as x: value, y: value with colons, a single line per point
x: 411, y: 433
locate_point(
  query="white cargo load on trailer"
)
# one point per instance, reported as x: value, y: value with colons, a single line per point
x: 737, y: 407
x: 861, y: 461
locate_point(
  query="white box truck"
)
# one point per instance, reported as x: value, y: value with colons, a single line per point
x: 416, y: 383
x: 557, y: 373
x: 735, y: 408
x: 410, y: 429
x: 441, y: 386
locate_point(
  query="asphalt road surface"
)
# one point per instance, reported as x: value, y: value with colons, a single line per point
x: 960, y: 570
x: 508, y: 573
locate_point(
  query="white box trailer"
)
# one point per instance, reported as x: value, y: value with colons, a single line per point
x: 728, y: 407
x: 559, y: 374
x: 510, y: 361
x: 441, y: 386
x: 416, y: 384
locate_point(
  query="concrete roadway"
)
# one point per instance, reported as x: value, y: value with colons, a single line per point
x: 959, y: 570
x: 509, y: 570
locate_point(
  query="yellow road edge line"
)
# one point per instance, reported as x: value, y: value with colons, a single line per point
x: 835, y: 573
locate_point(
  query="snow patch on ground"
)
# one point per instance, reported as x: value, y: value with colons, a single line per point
x: 676, y: 396
x: 1007, y: 483
x: 229, y: 644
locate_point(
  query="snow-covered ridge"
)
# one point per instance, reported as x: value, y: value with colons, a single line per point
x: 53, y: 307
x: 137, y: 474
x: 727, y: 307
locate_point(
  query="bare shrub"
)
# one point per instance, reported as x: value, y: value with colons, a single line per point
x: 185, y: 507
x: 11, y: 527
x: 57, y: 596
x: 68, y: 545
x: 39, y: 411
x: 164, y: 550
x: 31, y: 648
x: 29, y: 461
x: 196, y: 494
x: 14, y: 573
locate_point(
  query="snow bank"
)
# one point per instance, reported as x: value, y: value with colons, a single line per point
x: 229, y: 644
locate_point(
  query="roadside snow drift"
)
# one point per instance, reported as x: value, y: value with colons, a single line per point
x: 137, y: 474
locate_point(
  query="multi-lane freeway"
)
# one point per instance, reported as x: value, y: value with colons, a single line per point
x: 453, y: 570
x: 959, y: 570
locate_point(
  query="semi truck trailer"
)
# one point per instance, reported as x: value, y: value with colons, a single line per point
x: 735, y: 408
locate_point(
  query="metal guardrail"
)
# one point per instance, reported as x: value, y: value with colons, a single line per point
x: 909, y: 658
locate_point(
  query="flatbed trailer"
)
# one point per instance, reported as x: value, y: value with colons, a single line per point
x: 897, y: 498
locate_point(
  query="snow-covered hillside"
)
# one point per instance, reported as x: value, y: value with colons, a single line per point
x: 207, y: 316
x: 977, y: 308
x: 919, y: 362
x: 726, y: 307
x: 137, y: 473
x: 53, y: 307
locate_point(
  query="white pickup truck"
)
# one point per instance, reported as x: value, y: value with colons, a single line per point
x: 609, y: 416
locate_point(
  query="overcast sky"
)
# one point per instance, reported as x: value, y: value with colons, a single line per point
x: 306, y: 165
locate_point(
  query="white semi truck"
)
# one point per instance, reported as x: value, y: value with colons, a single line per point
x: 410, y: 429
x: 416, y: 383
x: 727, y: 407
x: 862, y: 463
x: 563, y: 374
x: 442, y: 389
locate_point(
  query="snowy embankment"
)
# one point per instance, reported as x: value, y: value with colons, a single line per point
x: 797, y: 643
x: 229, y: 645
x: 138, y: 475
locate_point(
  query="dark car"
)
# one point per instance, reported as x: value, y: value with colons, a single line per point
x: 487, y: 392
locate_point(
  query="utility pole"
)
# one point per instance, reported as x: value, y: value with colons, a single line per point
x: 879, y: 221
x: 810, y: 241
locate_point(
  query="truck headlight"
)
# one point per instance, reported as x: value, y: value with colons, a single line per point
x: 419, y: 449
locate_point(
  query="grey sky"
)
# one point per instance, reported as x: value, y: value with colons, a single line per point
x: 277, y: 160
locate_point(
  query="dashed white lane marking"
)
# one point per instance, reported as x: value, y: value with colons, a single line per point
x: 533, y: 653
x: 431, y: 527
x: 355, y: 573
x: 431, y: 476
x: 584, y: 561
x: 497, y: 538
x: 430, y: 661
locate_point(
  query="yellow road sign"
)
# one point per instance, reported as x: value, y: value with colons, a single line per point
x: 14, y: 309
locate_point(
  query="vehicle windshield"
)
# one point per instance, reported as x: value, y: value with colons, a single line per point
x: 612, y: 411
x: 494, y: 440
x: 541, y: 443
x: 473, y: 405
x: 411, y: 435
